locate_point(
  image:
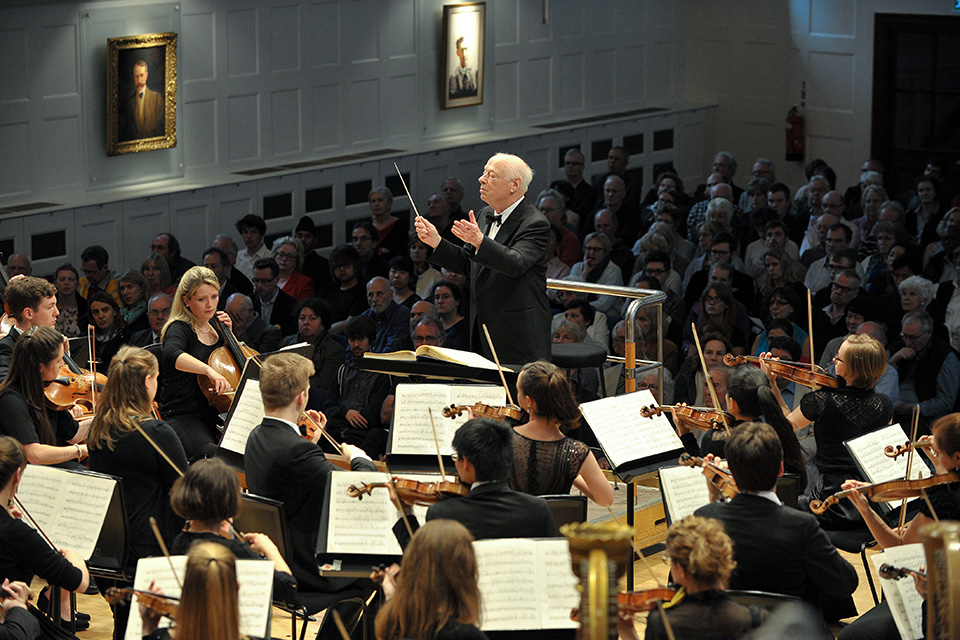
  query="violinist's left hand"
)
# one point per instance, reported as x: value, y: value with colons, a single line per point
x: 857, y: 498
x: 388, y: 579
x: 321, y: 421
x: 765, y: 366
x: 225, y: 318
x: 14, y: 510
x: 933, y: 453
x: 149, y: 617
x: 921, y: 583
x: 76, y: 411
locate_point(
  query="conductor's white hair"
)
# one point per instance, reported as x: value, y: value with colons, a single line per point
x: 514, y: 167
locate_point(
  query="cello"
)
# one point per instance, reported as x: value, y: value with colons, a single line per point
x: 229, y: 361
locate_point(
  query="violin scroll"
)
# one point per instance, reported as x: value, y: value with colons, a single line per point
x: 896, y: 451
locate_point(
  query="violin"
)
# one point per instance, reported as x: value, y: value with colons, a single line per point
x: 633, y: 602
x: 164, y: 605
x: 792, y: 371
x: 888, y: 491
x: 896, y: 451
x: 74, y: 388
x: 719, y: 477
x: 890, y: 572
x: 228, y: 361
x: 413, y: 492
x: 481, y: 410
x: 697, y: 417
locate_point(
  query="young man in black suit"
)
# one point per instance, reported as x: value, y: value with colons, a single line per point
x: 484, y: 458
x: 282, y: 465
x: 270, y: 301
x: 777, y: 549
x: 505, y: 255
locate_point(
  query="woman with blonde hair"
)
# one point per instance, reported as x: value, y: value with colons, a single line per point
x: 838, y: 415
x: 209, y: 606
x: 188, y: 338
x: 157, y: 274
x: 545, y: 460
x: 435, y: 596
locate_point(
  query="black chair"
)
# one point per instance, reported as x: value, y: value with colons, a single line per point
x: 579, y: 356
x: 856, y: 541
x: 788, y: 489
x: 264, y: 515
x: 765, y: 599
x: 567, y: 509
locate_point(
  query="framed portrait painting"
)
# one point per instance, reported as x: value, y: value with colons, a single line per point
x: 462, y: 68
x: 141, y: 93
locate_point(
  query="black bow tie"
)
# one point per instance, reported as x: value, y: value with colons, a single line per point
x: 141, y: 94
x: 494, y: 218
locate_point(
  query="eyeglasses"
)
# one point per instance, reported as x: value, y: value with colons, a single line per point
x: 836, y: 285
x: 359, y: 239
x: 592, y: 249
x: 262, y: 280
x: 656, y: 272
x: 713, y: 300
x: 282, y: 255
x: 837, y: 359
x: 159, y: 312
x: 430, y: 338
x: 913, y: 336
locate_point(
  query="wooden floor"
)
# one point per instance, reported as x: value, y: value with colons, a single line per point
x: 651, y: 529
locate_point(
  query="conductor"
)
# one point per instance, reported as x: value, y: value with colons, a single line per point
x: 505, y: 254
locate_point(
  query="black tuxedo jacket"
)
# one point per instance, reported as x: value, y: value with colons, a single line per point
x: 282, y: 314
x: 283, y: 466
x: 508, y: 285
x: 781, y: 550
x: 142, y: 338
x: 7, y: 343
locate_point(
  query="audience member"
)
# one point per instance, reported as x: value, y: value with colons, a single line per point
x: 274, y: 305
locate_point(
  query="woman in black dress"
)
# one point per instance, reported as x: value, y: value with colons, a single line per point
x: 838, y: 415
x: 188, y: 339
x: 48, y: 436
x: 118, y: 447
x: 446, y: 299
x: 545, y: 460
x: 24, y: 553
x: 435, y: 596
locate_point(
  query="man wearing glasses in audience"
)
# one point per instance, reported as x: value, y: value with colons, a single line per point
x: 273, y: 305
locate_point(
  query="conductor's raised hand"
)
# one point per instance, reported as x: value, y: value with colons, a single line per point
x: 468, y: 230
x: 427, y: 232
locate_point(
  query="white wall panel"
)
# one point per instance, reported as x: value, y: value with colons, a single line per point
x: 198, y: 58
x: 200, y: 125
x: 538, y: 87
x: 833, y: 17
x: 102, y: 225
x: 243, y: 42
x: 142, y: 219
x: 507, y: 92
x: 284, y: 34
x: 15, y: 178
x: 601, y: 81
x: 194, y: 220
x: 285, y: 130
x: 244, y: 123
x: 325, y: 109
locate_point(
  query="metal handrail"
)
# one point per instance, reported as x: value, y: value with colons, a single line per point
x: 641, y: 298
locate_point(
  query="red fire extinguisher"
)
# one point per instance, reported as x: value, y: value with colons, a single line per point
x: 795, y: 135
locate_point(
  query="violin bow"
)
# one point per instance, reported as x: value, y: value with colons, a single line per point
x: 646, y: 563
x: 913, y: 438
x: 399, y: 503
x: 404, y: 183
x: 92, y: 348
x: 813, y: 365
x: 166, y: 554
x: 339, y: 622
x: 706, y: 376
x: 330, y: 439
x: 36, y: 524
x: 436, y: 441
x: 497, y: 361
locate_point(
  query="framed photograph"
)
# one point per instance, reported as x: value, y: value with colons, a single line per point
x: 462, y: 68
x: 141, y: 93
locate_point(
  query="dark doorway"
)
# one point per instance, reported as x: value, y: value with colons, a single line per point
x: 916, y: 97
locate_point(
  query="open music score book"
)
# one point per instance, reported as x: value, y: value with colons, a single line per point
x: 411, y: 432
x: 69, y: 506
x: 428, y: 353
x: 684, y: 490
x: 255, y: 595
x: 905, y: 602
x: 867, y: 453
x: 246, y: 412
x: 525, y: 584
x: 362, y: 527
x: 633, y: 444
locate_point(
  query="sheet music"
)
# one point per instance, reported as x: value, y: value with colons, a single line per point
x: 906, y: 605
x: 411, y: 430
x: 623, y: 434
x: 69, y: 506
x: 254, y: 597
x: 365, y: 526
x: 684, y: 491
x: 245, y: 414
x: 867, y: 451
x: 525, y: 584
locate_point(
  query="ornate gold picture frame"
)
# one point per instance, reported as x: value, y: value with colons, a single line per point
x: 141, y: 93
x: 464, y: 28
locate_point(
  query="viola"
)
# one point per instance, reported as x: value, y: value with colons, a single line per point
x: 719, y: 477
x: 888, y: 491
x: 74, y: 388
x: 413, y: 492
x: 228, y: 361
x: 697, y: 417
x: 896, y: 451
x: 164, y: 605
x: 890, y: 572
x: 644, y: 600
x: 792, y: 371
x: 481, y: 410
